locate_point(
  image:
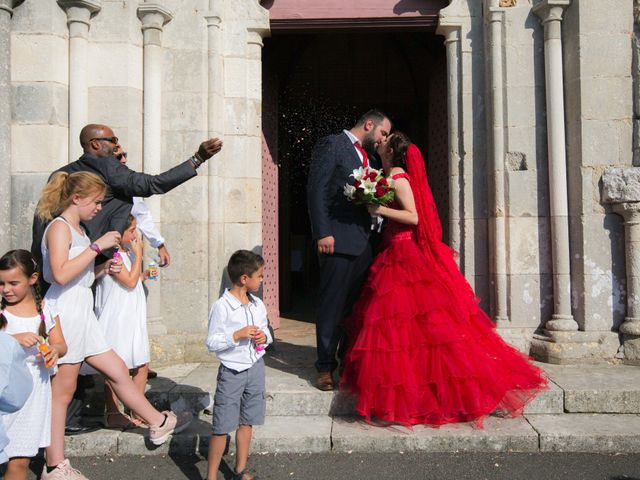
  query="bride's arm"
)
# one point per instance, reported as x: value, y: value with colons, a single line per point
x: 404, y: 196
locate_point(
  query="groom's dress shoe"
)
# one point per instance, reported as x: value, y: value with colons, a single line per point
x: 324, y: 381
x: 78, y: 429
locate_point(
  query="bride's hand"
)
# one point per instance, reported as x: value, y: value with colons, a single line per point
x: 374, y: 209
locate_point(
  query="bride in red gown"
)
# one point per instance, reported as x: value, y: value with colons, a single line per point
x: 421, y: 350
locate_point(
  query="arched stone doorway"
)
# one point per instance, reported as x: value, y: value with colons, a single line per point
x: 319, y: 75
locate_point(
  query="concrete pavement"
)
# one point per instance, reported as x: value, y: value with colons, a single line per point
x: 593, y: 408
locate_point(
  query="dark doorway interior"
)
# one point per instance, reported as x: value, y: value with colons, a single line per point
x: 321, y: 83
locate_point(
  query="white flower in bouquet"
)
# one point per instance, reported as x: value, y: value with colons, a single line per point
x: 359, y: 173
x: 349, y: 191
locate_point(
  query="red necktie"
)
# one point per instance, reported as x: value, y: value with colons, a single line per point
x: 365, y: 158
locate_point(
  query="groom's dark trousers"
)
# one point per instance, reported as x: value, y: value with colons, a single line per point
x: 341, y: 275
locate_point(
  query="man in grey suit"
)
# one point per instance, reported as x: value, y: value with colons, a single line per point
x: 100, y: 146
x: 341, y: 230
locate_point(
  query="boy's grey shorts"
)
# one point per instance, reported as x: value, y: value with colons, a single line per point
x: 239, y: 398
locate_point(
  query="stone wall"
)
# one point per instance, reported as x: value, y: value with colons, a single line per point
x: 599, y: 106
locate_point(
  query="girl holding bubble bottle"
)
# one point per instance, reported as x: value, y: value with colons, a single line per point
x: 31, y: 321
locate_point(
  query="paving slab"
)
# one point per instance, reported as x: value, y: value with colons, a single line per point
x: 100, y: 442
x: 581, y: 432
x: 548, y: 401
x: 598, y: 388
x: 499, y: 435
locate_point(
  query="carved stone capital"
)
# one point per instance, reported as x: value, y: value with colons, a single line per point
x: 621, y: 185
x: 80, y: 10
x: 153, y: 17
x: 550, y: 10
x: 9, y: 5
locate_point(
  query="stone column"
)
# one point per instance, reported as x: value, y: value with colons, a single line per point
x: 636, y: 82
x: 6, y: 12
x: 215, y: 128
x: 496, y: 184
x: 550, y: 13
x: 79, y: 13
x: 621, y: 187
x: 153, y: 18
x: 451, y: 32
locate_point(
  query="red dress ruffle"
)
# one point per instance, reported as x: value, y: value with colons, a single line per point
x: 422, y: 353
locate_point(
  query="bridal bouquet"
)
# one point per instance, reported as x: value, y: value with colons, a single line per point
x: 370, y: 186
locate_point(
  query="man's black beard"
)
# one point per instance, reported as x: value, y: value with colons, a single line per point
x: 369, y: 145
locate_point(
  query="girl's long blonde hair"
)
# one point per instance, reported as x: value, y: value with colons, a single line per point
x: 57, y: 195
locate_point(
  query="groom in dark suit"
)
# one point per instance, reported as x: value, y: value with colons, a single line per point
x: 341, y: 230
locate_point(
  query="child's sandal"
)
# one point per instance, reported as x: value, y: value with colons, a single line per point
x: 244, y: 475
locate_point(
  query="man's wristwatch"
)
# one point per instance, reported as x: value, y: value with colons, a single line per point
x: 94, y: 246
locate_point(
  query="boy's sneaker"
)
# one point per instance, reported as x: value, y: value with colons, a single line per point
x: 173, y: 424
x: 64, y: 471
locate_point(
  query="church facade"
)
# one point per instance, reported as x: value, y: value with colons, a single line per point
x: 527, y: 111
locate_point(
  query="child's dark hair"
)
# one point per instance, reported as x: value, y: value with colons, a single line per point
x: 243, y: 262
x: 23, y: 260
x: 130, y: 220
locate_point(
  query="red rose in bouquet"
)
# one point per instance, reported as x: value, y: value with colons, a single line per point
x: 370, y: 186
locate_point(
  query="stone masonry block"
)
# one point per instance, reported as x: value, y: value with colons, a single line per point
x: 621, y: 185
x: 117, y: 22
x: 117, y: 105
x: 615, y: 47
x: 42, y: 102
x: 606, y: 98
x: 121, y: 65
x: 39, y: 17
x: 498, y: 435
x: 188, y: 29
x: 45, y: 155
x: 522, y: 106
x: 606, y: 150
x: 186, y: 315
x: 187, y: 203
x: 183, y: 111
x: 242, y: 235
x: 243, y: 159
x: 588, y: 433
x: 243, y: 201
x: 31, y: 59
x: 529, y: 243
x: 188, y: 245
x: 25, y: 192
x: 606, y: 17
x: 235, y: 40
x: 100, y: 442
x: 533, y: 143
x: 531, y: 299
x: 527, y: 194
x: 236, y: 77
x: 181, y: 72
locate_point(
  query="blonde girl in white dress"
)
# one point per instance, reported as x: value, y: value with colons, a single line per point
x: 25, y: 316
x: 68, y: 265
x: 121, y: 308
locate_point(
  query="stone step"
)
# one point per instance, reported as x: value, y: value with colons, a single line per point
x: 322, y: 434
x: 581, y: 432
x: 598, y: 388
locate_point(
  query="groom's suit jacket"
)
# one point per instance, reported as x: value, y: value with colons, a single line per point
x: 333, y: 159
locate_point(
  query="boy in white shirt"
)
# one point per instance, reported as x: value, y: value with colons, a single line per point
x: 238, y: 333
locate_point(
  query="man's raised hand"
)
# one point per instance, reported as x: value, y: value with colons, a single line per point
x: 209, y: 148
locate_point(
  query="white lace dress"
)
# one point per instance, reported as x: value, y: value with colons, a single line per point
x: 122, y: 314
x: 29, y: 428
x: 74, y: 303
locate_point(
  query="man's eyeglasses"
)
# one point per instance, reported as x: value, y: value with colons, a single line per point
x: 113, y: 140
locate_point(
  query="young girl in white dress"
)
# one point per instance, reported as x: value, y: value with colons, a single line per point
x: 121, y: 308
x: 24, y: 315
x: 68, y: 265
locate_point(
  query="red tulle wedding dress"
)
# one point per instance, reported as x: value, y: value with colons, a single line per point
x: 421, y: 350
